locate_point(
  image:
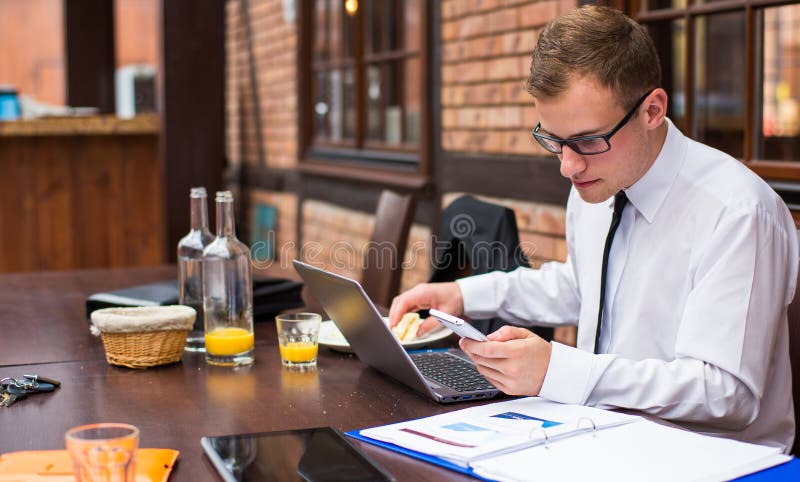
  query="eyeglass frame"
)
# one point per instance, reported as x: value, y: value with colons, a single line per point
x: 570, y: 142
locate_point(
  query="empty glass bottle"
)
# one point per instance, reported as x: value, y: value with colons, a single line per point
x: 190, y: 270
x: 227, y: 292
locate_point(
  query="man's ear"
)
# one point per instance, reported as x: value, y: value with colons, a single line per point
x: 656, y: 108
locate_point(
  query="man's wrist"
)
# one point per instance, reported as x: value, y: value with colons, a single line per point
x: 458, y: 298
x: 567, y: 376
x: 545, y: 361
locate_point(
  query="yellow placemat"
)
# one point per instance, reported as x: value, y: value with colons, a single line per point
x: 152, y: 465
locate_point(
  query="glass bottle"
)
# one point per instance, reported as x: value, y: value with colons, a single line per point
x: 227, y: 292
x: 190, y: 269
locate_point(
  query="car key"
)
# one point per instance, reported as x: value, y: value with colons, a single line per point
x: 12, y: 394
x: 40, y: 379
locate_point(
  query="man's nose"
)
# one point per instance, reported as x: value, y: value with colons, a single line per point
x: 572, y: 163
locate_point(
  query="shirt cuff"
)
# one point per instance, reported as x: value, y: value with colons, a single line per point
x: 567, y: 375
x: 479, y: 293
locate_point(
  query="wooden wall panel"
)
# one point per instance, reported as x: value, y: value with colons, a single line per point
x: 95, y: 185
x: 71, y: 202
x: 51, y: 209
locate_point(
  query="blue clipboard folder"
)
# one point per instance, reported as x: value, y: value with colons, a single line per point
x: 787, y: 471
x: 356, y: 434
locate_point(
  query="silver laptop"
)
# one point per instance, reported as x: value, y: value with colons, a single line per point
x: 444, y: 375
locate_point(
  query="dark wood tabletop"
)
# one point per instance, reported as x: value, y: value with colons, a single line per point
x: 44, y: 331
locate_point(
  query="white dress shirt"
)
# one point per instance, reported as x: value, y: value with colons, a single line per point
x: 701, y: 272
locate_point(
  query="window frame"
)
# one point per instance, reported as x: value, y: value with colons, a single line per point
x: 766, y: 168
x: 395, y: 165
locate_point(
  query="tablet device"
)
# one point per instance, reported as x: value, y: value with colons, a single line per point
x: 314, y: 454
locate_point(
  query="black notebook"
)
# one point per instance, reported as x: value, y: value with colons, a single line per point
x: 270, y: 296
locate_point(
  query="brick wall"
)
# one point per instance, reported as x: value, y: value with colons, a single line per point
x: 486, y: 57
x: 486, y: 47
x: 271, y: 58
x: 486, y: 50
x: 335, y: 238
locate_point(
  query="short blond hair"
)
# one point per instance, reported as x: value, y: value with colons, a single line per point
x: 599, y: 42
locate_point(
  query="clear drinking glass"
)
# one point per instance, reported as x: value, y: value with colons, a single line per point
x: 297, y: 339
x: 227, y: 293
x: 190, y: 265
x: 103, y: 452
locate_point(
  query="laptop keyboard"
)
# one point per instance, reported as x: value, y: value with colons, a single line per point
x: 450, y: 371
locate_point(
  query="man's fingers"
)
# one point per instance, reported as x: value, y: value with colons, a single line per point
x: 427, y: 326
x: 417, y: 298
x: 395, y: 313
x: 484, y: 349
x: 506, y: 333
x: 401, y: 305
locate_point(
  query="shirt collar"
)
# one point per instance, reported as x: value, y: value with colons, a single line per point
x: 648, y: 193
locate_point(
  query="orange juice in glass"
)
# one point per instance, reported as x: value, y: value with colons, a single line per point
x: 229, y: 346
x: 297, y: 339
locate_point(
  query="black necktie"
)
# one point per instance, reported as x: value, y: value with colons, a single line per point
x: 620, y: 200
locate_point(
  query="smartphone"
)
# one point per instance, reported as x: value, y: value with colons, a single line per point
x: 458, y: 325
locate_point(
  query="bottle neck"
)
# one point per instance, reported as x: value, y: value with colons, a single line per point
x: 225, y: 218
x: 198, y: 213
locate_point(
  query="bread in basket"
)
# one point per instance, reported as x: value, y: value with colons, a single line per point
x: 146, y: 336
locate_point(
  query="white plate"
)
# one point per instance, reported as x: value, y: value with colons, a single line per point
x: 330, y: 336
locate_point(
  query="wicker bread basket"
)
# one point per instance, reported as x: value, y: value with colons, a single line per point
x: 143, y: 337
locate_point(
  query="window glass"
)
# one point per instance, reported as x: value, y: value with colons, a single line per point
x: 383, y: 60
x: 391, y: 20
x: 661, y: 4
x: 321, y: 40
x: 322, y: 106
x: 393, y: 114
x: 719, y: 86
x: 347, y: 26
x: 670, y: 39
x: 375, y: 102
x: 334, y: 35
x: 348, y: 105
x: 372, y: 27
x: 411, y: 102
x: 335, y: 101
x: 778, y: 131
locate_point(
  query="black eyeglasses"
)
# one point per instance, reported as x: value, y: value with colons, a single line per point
x: 586, y: 145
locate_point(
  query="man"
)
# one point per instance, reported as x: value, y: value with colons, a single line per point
x: 700, y: 270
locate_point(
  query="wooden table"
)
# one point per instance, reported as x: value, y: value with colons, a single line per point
x: 44, y: 331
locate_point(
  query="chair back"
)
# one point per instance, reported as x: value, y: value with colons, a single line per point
x: 794, y: 354
x: 383, y: 260
x: 479, y: 237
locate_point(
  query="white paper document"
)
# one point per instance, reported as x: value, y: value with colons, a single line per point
x: 639, y: 451
x: 465, y: 436
x: 531, y: 439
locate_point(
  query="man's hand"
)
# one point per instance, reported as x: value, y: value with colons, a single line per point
x: 514, y: 359
x: 442, y: 296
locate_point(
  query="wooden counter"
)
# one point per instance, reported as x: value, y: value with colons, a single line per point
x: 81, y: 126
x: 80, y: 193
